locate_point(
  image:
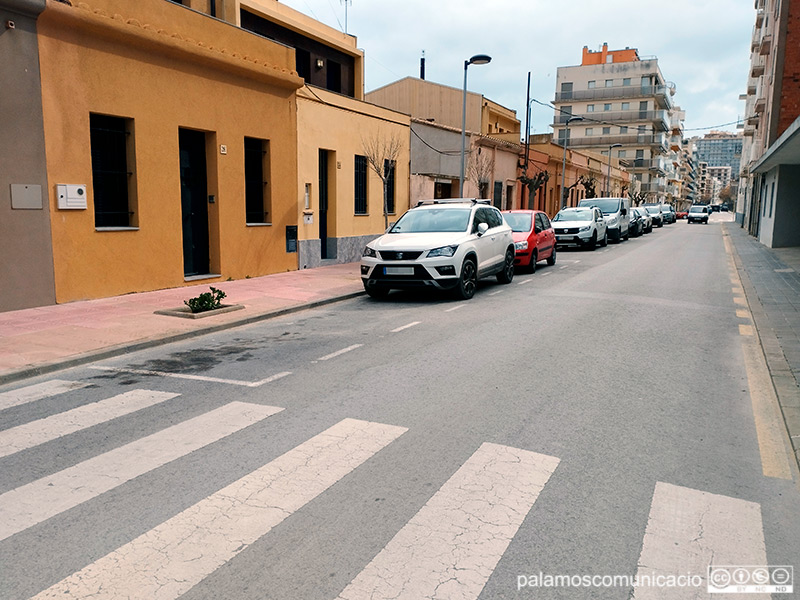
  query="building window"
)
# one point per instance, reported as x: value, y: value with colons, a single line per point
x: 606, y: 130
x: 256, y: 185
x: 622, y: 154
x: 623, y: 129
x: 626, y: 106
x: 112, y: 152
x: 609, y: 82
x: 589, y: 131
x: 389, y: 168
x: 626, y: 81
x: 607, y: 106
x: 592, y: 85
x: 566, y: 90
x: 360, y: 191
x: 590, y: 108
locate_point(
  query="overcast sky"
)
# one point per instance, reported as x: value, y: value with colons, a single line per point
x: 701, y: 45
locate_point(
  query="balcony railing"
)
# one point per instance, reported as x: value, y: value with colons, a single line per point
x: 660, y: 92
x: 604, y: 141
x: 659, y: 118
x: 766, y: 44
x: 648, y: 164
x: 757, y: 67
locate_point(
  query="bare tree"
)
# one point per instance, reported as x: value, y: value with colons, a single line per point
x: 589, y: 183
x: 479, y: 171
x: 534, y: 183
x: 381, y: 153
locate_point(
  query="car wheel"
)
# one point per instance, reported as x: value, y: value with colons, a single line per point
x: 552, y: 260
x: 376, y: 291
x: 604, y: 243
x: 532, y: 266
x: 468, y: 282
x: 593, y: 242
x: 507, y: 274
x: 627, y: 235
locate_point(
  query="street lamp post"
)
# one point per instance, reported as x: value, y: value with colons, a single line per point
x: 564, y: 161
x: 608, y: 176
x: 478, y: 59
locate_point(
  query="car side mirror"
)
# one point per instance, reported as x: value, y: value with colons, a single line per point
x: 482, y: 228
x: 623, y: 212
x: 537, y: 229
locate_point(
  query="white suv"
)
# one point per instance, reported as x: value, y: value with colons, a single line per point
x: 584, y: 227
x: 444, y: 244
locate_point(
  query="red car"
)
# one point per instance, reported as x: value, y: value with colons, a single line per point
x: 534, y: 239
x: 681, y: 214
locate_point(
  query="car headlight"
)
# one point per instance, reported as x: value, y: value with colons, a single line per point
x: 369, y: 252
x: 585, y: 228
x: 443, y: 251
x: 521, y: 245
x: 611, y: 222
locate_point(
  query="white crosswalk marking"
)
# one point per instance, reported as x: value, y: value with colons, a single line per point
x: 38, y: 391
x: 55, y: 426
x: 689, y: 530
x: 451, y: 546
x: 30, y: 504
x: 165, y: 562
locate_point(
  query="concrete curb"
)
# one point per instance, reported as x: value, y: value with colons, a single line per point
x: 783, y: 381
x: 134, y: 346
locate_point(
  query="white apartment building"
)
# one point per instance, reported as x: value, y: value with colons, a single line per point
x: 616, y: 102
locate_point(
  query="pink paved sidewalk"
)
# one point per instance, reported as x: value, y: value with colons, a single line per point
x: 45, y: 337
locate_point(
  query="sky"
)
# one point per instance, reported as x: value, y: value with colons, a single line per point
x: 703, y: 46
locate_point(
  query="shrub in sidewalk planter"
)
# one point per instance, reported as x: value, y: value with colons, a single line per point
x: 206, y: 301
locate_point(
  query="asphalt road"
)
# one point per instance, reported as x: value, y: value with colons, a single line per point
x: 596, y: 418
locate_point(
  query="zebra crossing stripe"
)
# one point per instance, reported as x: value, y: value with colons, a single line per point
x: 451, y: 546
x: 39, y: 500
x: 55, y: 426
x: 171, y: 558
x: 38, y: 391
x: 688, y: 531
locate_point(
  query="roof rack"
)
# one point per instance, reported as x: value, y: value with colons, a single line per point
x: 454, y: 201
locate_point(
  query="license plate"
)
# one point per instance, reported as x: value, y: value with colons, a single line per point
x: 564, y: 238
x: 398, y: 270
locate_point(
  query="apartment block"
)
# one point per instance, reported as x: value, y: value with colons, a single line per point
x: 770, y: 168
x: 618, y: 103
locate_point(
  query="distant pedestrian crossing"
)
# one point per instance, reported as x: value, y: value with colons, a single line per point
x: 448, y: 549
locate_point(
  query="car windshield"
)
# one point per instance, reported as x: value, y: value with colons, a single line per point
x: 433, y: 220
x: 519, y: 222
x: 696, y: 209
x: 576, y: 214
x: 653, y: 209
x: 607, y: 205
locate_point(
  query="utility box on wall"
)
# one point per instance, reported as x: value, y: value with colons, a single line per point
x: 71, y: 197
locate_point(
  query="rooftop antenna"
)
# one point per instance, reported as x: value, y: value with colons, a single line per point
x: 346, y: 3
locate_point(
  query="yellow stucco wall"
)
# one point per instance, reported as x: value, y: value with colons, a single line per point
x: 339, y: 124
x: 165, y: 67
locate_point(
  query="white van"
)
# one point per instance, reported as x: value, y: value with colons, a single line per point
x: 617, y: 215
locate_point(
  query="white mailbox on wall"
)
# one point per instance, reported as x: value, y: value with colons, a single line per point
x: 71, y: 197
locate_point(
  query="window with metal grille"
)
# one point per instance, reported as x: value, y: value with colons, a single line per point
x: 110, y: 173
x: 256, y: 184
x: 360, y: 191
x: 389, y: 167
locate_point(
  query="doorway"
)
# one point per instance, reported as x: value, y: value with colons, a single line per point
x: 194, y: 201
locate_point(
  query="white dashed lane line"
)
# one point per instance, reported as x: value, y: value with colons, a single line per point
x: 406, y: 326
x: 524, y: 281
x: 497, y: 292
x: 340, y: 352
x: 455, y: 308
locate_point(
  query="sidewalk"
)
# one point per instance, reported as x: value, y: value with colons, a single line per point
x: 771, y: 279
x: 48, y: 338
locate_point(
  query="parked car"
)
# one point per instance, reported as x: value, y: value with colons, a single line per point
x: 681, y: 214
x: 443, y: 244
x: 724, y: 208
x: 698, y: 213
x: 615, y: 212
x: 534, y: 238
x: 636, y: 225
x: 655, y: 212
x: 715, y: 207
x: 582, y: 227
x: 669, y: 214
x: 647, y: 220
